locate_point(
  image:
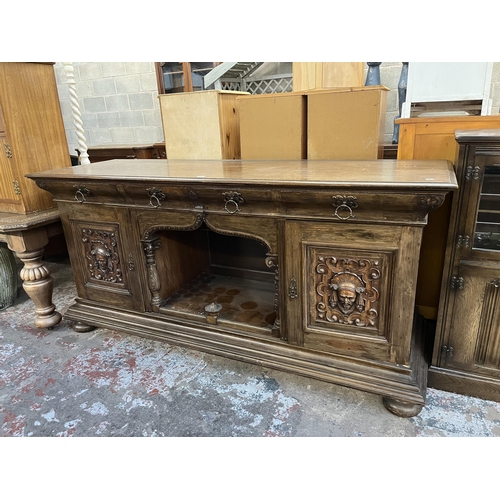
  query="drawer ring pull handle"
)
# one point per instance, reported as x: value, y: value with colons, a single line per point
x: 344, y: 206
x: 156, y: 196
x: 81, y: 194
x: 233, y: 200
x: 233, y: 208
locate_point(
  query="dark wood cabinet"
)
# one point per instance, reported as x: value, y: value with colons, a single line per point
x: 126, y: 151
x: 305, y: 266
x: 175, y: 77
x: 467, y: 348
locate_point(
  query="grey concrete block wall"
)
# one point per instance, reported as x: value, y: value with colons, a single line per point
x: 119, y: 101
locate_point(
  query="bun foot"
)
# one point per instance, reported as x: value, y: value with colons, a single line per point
x: 401, y: 409
x: 82, y: 327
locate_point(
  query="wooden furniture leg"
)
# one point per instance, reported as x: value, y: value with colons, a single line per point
x: 401, y: 409
x: 37, y: 282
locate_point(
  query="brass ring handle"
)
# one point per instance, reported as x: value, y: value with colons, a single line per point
x: 156, y: 196
x: 81, y: 194
x: 232, y: 202
x: 235, y: 209
x: 154, y: 201
x: 344, y: 207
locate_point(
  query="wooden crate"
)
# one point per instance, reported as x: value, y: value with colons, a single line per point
x: 273, y: 126
x: 201, y: 125
x: 346, y: 123
x: 326, y: 75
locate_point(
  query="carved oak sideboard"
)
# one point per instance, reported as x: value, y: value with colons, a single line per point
x: 304, y: 266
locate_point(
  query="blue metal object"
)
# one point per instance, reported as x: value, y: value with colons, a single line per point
x: 373, y: 75
x: 402, y: 86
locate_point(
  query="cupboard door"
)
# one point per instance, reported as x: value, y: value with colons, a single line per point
x: 351, y: 288
x: 473, y: 343
x: 482, y: 213
x: 105, y: 253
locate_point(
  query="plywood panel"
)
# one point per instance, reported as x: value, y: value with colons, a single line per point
x: 346, y: 125
x: 273, y: 127
x: 304, y: 75
x: 325, y: 75
x: 229, y: 127
x: 345, y: 74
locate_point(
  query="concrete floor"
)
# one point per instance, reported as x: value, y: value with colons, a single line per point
x: 105, y: 383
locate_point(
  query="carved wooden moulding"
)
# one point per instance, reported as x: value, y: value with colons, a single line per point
x: 347, y: 290
x: 101, y: 252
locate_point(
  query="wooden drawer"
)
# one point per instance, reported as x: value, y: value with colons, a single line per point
x: 343, y: 205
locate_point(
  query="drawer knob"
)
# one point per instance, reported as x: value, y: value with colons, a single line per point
x: 81, y: 194
x: 232, y: 200
x: 344, y: 206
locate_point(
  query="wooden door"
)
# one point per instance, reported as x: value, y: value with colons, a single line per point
x: 351, y: 288
x: 481, y: 209
x: 106, y: 254
x: 473, y: 343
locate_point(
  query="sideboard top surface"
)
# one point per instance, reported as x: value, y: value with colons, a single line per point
x: 387, y: 174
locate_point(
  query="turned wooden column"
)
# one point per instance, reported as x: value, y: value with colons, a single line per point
x: 39, y: 285
x: 27, y: 236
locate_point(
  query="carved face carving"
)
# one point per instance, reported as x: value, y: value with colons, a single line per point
x: 347, y: 288
x: 346, y: 299
x: 101, y: 258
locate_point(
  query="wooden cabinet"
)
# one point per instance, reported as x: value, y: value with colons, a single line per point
x: 273, y: 126
x: 123, y: 151
x: 305, y: 266
x: 175, y: 77
x: 429, y: 138
x: 327, y: 75
x: 31, y: 132
x: 344, y: 124
x: 467, y: 348
x: 201, y: 125
x: 32, y: 139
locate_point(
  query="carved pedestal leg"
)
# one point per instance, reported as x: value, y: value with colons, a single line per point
x: 401, y: 409
x: 39, y: 285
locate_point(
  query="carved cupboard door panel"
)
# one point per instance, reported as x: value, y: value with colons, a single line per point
x: 473, y: 344
x: 106, y: 254
x: 350, y: 288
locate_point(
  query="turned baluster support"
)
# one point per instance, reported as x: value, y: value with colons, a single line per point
x: 28, y: 245
x: 154, y: 282
x: 39, y: 285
